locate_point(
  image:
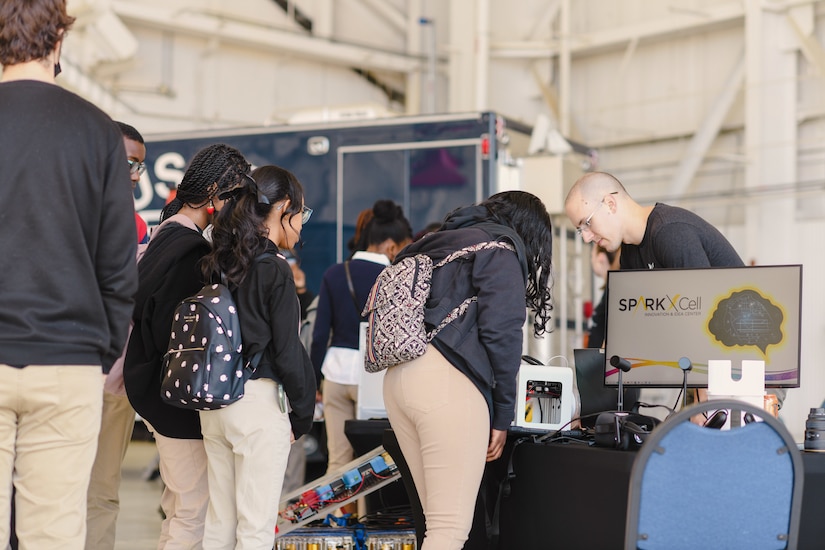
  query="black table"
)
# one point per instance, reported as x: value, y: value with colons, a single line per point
x: 566, y: 495
x: 812, y: 522
x: 572, y: 495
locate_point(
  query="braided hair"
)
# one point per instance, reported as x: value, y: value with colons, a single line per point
x: 214, y: 167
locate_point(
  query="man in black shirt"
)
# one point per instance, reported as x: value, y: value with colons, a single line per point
x: 650, y: 237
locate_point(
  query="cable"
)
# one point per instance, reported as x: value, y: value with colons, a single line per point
x: 679, y: 396
x: 650, y: 406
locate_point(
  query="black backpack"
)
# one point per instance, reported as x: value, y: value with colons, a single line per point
x: 204, y: 368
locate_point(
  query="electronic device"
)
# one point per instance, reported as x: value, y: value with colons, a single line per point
x: 369, y: 400
x: 663, y: 319
x: 717, y: 420
x: 623, y: 430
x: 320, y: 497
x: 594, y: 396
x: 544, y: 398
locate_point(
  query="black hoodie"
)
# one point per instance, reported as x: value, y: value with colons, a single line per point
x: 486, y: 342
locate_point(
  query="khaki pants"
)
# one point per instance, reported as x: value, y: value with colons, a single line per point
x: 186, y: 493
x: 49, y: 421
x: 248, y: 445
x: 442, y: 425
x: 339, y: 406
x: 103, y: 503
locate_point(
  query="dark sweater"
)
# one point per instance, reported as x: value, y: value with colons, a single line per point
x: 168, y: 272
x: 67, y: 243
x: 270, y: 316
x: 675, y: 237
x: 485, y: 343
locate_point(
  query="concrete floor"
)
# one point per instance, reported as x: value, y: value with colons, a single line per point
x: 138, y: 524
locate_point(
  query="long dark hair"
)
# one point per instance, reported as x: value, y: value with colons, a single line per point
x: 526, y: 214
x: 215, y: 167
x: 239, y: 228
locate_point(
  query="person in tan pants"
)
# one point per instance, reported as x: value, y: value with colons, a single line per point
x: 450, y: 408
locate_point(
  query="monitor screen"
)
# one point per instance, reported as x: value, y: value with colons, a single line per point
x: 655, y: 318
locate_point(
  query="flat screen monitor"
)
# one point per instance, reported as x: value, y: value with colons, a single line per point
x: 655, y: 318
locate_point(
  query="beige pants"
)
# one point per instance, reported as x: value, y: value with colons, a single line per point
x: 248, y: 445
x: 185, y: 494
x: 339, y: 406
x: 49, y: 421
x: 103, y: 503
x: 442, y: 425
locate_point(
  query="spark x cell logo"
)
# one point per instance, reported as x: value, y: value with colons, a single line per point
x: 667, y: 304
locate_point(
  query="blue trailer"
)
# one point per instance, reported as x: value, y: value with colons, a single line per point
x: 427, y: 164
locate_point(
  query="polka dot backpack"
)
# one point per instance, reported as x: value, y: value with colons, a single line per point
x: 204, y: 368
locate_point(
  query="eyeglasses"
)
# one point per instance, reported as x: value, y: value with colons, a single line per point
x: 586, y: 223
x: 136, y: 167
x: 306, y: 213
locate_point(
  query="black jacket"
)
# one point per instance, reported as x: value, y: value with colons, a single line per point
x: 270, y: 316
x: 168, y: 272
x: 486, y: 342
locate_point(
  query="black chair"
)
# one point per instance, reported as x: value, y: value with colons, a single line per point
x: 697, y: 487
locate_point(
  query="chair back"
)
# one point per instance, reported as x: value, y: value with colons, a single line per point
x: 697, y: 487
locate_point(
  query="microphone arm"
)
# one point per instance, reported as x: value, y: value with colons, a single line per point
x: 686, y: 365
x: 624, y: 366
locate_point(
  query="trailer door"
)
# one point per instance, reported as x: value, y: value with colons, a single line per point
x: 428, y: 179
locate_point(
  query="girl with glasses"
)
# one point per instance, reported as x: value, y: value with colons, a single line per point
x: 247, y: 443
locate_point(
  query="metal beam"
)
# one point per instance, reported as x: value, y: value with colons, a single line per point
x: 679, y: 24
x: 388, y: 13
x: 809, y: 46
x: 198, y: 24
x: 707, y: 132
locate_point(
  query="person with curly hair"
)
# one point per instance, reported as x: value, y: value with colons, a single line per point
x: 169, y: 271
x: 247, y: 443
x: 451, y: 407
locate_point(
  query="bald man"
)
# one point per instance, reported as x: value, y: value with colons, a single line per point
x: 650, y: 237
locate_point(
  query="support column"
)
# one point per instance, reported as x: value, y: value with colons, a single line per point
x: 462, y: 63
x: 414, y: 80
x: 564, y: 68
x: 770, y: 130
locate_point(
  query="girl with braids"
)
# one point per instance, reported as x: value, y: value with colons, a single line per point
x: 450, y: 408
x: 340, y: 301
x: 169, y: 272
x: 247, y: 444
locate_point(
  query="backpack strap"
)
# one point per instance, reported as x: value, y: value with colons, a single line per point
x: 473, y: 248
x: 351, y: 287
x: 461, y: 308
x: 254, y: 361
